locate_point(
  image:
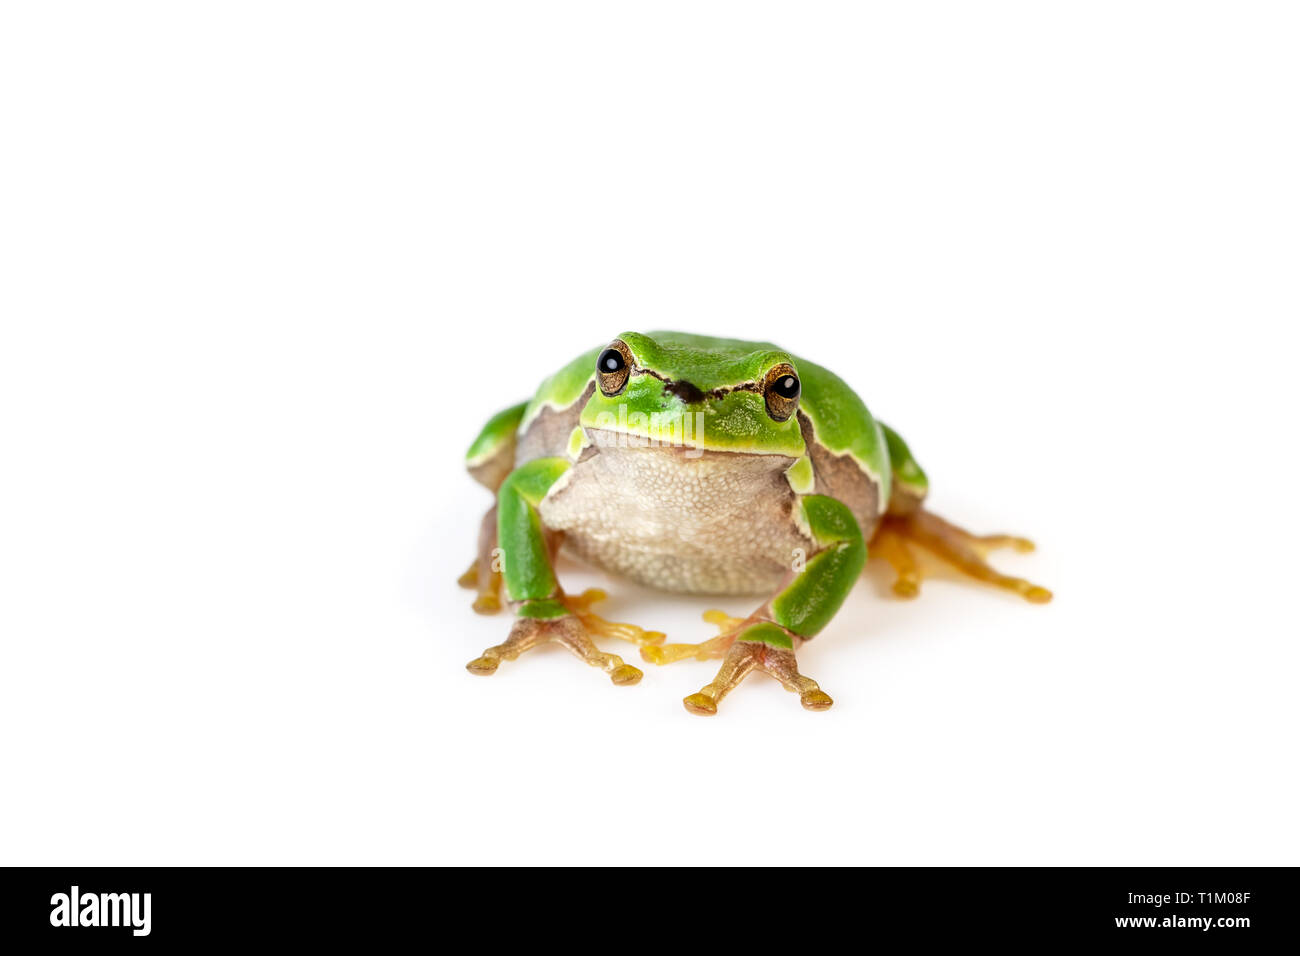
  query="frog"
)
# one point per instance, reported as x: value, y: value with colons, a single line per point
x: 703, y: 465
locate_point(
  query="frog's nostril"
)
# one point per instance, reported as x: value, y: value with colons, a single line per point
x: 687, y: 392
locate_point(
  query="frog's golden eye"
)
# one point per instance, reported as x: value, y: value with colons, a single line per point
x: 613, y: 366
x: 781, y: 391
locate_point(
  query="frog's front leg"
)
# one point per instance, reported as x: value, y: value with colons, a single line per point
x: 544, y: 613
x: 768, y: 639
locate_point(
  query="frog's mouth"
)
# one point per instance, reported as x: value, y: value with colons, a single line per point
x: 681, y: 444
x: 680, y: 436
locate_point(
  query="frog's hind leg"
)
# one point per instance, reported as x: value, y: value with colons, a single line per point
x: 489, y: 460
x: 907, y: 523
x: 892, y: 546
x: 963, y: 550
x: 484, y: 574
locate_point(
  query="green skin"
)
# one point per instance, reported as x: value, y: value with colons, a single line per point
x: 728, y: 375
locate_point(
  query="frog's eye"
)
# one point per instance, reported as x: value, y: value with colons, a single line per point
x: 781, y: 391
x: 613, y: 367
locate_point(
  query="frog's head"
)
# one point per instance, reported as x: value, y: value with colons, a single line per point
x: 671, y: 388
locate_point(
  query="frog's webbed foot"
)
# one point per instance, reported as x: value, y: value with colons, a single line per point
x: 965, y: 551
x: 580, y: 606
x: 757, y: 647
x: 567, y: 631
x: 728, y: 628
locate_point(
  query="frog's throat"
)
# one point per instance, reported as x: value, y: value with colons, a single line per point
x: 679, y: 519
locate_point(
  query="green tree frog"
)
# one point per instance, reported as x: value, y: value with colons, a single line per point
x: 706, y: 465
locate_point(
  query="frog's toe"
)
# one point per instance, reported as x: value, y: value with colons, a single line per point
x: 992, y: 542
x: 701, y: 704
x: 487, y: 604
x: 625, y: 675
x: 907, y: 587
x: 470, y: 578
x: 570, y: 633
x: 483, y: 666
x: 1035, y: 594
x: 655, y: 655
x: 781, y: 664
x: 668, y: 653
x: 816, y: 700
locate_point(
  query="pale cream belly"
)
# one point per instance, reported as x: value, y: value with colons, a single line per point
x: 719, y: 523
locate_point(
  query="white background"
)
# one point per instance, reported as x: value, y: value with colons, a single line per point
x: 267, y: 267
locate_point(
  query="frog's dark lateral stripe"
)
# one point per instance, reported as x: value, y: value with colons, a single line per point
x: 687, y: 392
